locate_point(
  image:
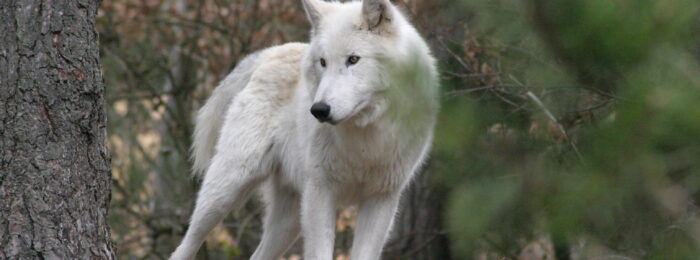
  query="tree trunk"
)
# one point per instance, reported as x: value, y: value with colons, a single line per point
x: 418, y: 232
x: 54, y: 164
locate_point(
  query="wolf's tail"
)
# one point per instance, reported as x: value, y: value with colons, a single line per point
x: 210, y: 117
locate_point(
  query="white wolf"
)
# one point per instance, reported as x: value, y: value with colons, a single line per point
x: 344, y: 120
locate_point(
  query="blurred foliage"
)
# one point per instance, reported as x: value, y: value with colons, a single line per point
x: 597, y: 148
x: 568, y: 128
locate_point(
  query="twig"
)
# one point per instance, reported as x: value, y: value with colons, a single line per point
x: 470, y: 75
x: 459, y: 59
x: 458, y: 92
x: 554, y: 119
x: 595, y: 107
x: 504, y: 99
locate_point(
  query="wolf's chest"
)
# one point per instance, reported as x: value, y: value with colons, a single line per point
x: 366, y: 167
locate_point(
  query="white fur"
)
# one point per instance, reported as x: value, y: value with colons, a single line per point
x: 257, y: 128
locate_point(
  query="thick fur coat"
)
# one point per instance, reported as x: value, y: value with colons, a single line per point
x: 344, y: 120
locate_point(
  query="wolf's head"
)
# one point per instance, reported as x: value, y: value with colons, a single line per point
x: 345, y: 68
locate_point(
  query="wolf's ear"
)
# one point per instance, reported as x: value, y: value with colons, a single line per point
x: 314, y: 11
x: 376, y: 13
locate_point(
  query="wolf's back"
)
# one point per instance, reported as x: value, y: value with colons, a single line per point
x: 211, y: 116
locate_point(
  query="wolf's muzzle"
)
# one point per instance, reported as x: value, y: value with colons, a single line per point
x: 321, y: 111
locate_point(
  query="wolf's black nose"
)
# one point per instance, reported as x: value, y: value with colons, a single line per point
x: 321, y: 111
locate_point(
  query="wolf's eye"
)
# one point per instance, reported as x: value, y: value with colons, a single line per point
x: 323, y: 62
x: 353, y: 59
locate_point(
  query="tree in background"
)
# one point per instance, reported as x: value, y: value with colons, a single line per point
x: 54, y: 164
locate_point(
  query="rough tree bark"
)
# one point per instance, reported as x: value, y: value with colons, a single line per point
x: 54, y: 164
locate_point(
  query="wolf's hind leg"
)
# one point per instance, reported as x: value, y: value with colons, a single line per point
x: 225, y: 187
x: 282, y: 224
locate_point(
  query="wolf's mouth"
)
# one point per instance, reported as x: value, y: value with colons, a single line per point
x: 329, y: 121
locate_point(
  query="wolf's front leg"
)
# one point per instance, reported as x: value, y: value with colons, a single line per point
x: 318, y: 222
x: 374, y: 220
